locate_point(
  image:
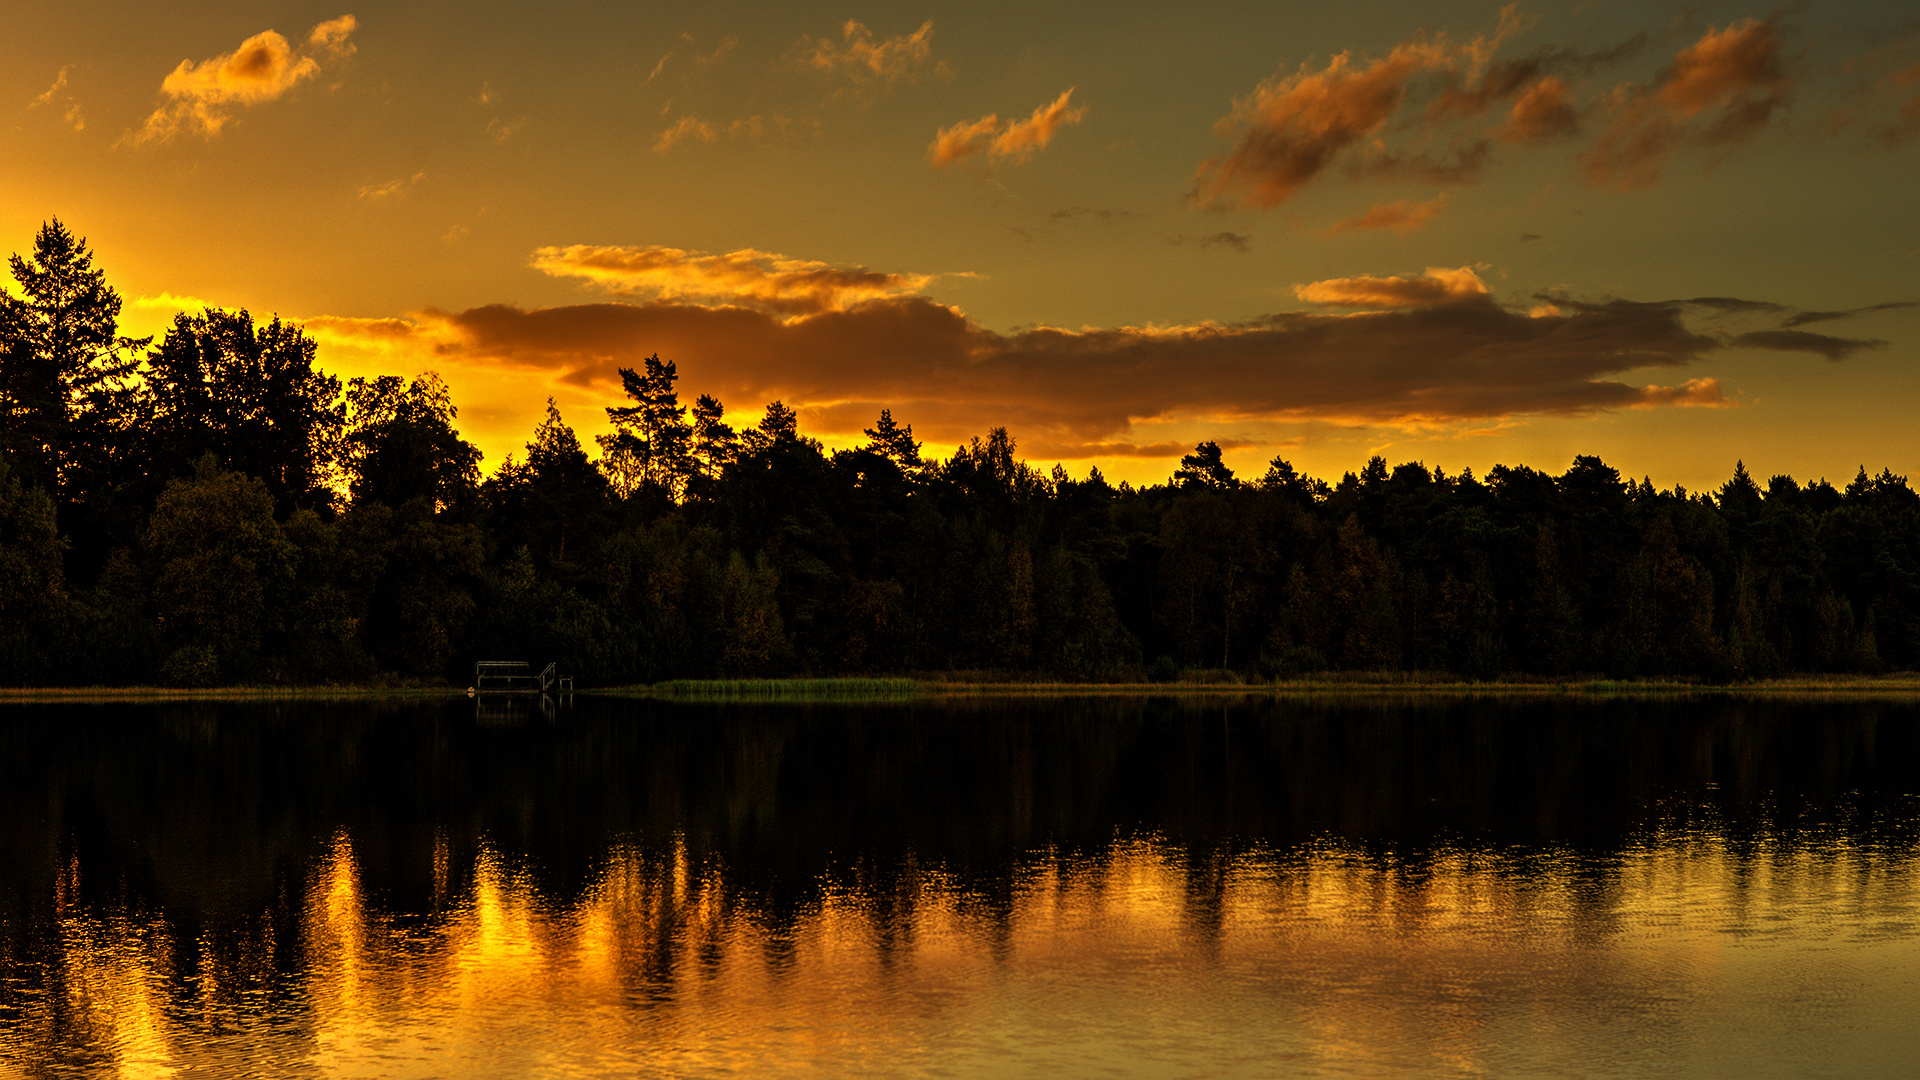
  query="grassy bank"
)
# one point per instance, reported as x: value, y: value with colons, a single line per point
x: 83, y: 694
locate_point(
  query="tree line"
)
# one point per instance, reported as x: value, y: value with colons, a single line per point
x: 213, y: 507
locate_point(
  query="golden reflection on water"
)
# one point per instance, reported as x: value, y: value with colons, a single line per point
x: 1142, y: 959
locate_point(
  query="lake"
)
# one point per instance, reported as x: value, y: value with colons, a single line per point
x: 995, y: 887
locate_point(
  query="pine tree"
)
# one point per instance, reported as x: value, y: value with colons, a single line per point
x: 1204, y: 468
x: 651, y: 443
x: 714, y: 443
x: 65, y: 369
x: 891, y: 440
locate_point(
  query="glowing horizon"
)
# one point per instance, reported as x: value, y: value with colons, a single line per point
x: 1671, y: 237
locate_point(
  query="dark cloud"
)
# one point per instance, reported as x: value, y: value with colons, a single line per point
x: 1734, y: 306
x: 1458, y: 165
x: 1240, y: 242
x: 1833, y: 348
x: 1464, y: 95
x: 1101, y: 214
x: 1460, y: 357
x: 1805, y: 317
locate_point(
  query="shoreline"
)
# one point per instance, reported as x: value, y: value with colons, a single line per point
x: 1897, y: 686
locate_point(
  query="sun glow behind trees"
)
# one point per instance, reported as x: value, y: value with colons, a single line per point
x: 217, y: 508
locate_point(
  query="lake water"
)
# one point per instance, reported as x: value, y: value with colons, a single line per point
x: 995, y: 888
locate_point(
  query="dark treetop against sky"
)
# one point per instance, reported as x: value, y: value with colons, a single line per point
x: 1671, y: 235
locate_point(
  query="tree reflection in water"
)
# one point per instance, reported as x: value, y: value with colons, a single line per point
x: 1142, y: 886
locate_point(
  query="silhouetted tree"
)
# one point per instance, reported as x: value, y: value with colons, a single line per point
x: 651, y: 441
x: 1203, y: 468
x: 67, y: 374
x: 715, y: 444
x: 400, y: 443
x: 250, y: 396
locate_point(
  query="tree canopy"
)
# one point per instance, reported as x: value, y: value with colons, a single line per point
x: 218, y: 508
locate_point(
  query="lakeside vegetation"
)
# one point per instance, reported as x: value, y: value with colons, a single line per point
x: 214, y: 509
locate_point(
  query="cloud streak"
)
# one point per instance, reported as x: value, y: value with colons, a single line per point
x: 1402, y: 216
x: 69, y: 109
x: 1438, y: 286
x: 1014, y: 140
x: 203, y: 97
x: 873, y: 65
x: 747, y: 278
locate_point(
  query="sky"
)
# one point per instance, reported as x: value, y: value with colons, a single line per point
x: 1674, y: 236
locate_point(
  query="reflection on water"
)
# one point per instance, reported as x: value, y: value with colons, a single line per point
x: 670, y: 918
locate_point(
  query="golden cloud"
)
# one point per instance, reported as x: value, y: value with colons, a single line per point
x: 951, y: 144
x: 69, y: 109
x: 690, y: 128
x: 390, y: 187
x: 204, y: 96
x: 1438, y: 286
x: 332, y: 36
x: 747, y: 278
x: 687, y: 127
x: 1402, y: 216
x: 1016, y: 140
x: 1023, y: 137
x: 873, y: 63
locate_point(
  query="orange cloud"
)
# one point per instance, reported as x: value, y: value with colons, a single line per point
x: 1544, y: 112
x: 204, y: 96
x: 1402, y: 216
x: 746, y: 278
x: 693, y: 128
x: 1723, y: 65
x: 1023, y: 137
x: 687, y: 127
x: 332, y: 36
x: 69, y: 109
x: 391, y: 187
x: 1016, y: 140
x: 962, y: 139
x: 1438, y: 286
x: 1290, y: 129
x: 1697, y: 393
x: 1722, y: 89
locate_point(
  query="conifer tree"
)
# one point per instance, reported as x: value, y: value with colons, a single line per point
x: 714, y: 443
x: 67, y: 371
x: 651, y: 442
x: 892, y: 440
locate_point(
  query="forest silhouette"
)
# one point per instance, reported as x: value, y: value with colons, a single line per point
x: 214, y: 508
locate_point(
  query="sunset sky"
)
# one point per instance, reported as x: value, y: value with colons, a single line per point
x: 1670, y: 235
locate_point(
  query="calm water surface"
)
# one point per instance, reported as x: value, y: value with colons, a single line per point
x: 1135, y: 888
